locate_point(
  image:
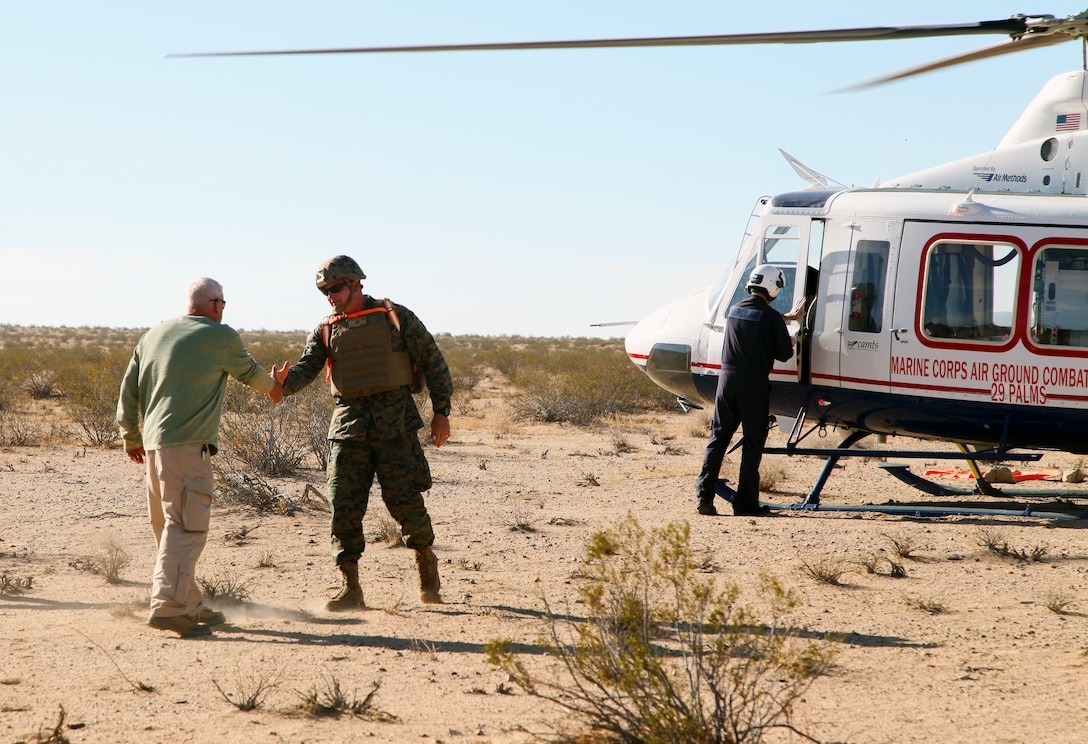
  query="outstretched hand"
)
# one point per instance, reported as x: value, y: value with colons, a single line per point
x: 276, y: 393
x: 279, y: 374
x: 797, y: 312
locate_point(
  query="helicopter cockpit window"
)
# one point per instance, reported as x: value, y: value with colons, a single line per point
x: 970, y: 291
x: 1060, y: 314
x: 867, y: 286
x: 780, y: 245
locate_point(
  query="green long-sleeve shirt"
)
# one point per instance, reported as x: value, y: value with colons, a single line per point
x: 176, y: 380
x: 381, y: 415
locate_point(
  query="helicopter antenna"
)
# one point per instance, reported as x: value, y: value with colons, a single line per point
x: 880, y: 176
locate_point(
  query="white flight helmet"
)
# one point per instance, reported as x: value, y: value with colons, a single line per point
x: 768, y: 278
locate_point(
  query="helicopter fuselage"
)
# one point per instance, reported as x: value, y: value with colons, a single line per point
x: 932, y: 313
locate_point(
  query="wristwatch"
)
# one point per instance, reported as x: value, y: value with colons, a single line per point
x: 445, y: 410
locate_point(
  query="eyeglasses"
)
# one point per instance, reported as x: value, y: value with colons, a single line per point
x: 334, y: 288
x: 214, y: 300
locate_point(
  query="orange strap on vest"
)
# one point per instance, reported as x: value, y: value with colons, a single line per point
x: 326, y: 327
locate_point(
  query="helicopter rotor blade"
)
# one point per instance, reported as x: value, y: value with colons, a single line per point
x: 1015, y: 26
x: 1005, y: 47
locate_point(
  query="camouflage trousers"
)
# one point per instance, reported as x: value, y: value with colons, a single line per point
x: 403, y: 473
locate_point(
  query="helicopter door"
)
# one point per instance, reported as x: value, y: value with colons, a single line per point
x: 850, y: 347
x: 786, y: 241
x: 865, y: 354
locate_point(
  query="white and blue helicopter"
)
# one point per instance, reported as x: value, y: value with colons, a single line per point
x: 950, y: 304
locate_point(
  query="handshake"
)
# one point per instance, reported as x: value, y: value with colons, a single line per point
x: 279, y: 376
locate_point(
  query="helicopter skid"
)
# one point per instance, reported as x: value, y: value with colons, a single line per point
x: 1059, y: 509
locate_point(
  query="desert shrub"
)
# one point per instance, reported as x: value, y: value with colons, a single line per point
x: 15, y: 584
x: 275, y: 439
x: 1059, y: 601
x: 41, y: 383
x: 110, y: 561
x: 580, y: 385
x: 467, y: 378
x: 824, y: 570
x: 664, y: 654
x: 249, y: 689
x: 18, y: 429
x: 510, y: 356
x: 932, y: 606
x: 903, y: 545
x: 994, y: 541
x: 239, y: 485
x: 314, y: 409
x: 334, y: 700
x: 274, y: 347
x: 226, y: 589
x: 91, y: 382
x: 268, y: 440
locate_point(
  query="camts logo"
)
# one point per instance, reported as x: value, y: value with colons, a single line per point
x: 863, y: 345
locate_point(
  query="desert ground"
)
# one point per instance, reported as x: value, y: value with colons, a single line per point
x: 972, y: 644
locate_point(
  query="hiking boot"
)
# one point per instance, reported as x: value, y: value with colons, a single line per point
x: 351, y: 596
x: 208, y: 616
x: 707, y: 508
x: 183, y: 625
x: 429, y: 581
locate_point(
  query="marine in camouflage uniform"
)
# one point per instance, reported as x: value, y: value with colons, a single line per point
x: 374, y: 433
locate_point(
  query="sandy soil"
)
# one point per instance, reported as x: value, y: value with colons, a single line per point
x: 964, y: 648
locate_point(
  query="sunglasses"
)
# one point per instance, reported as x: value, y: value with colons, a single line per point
x: 333, y: 288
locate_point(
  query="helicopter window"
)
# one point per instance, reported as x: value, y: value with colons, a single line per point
x: 970, y: 291
x: 1060, y: 316
x: 867, y: 290
x: 783, y: 303
x: 781, y: 246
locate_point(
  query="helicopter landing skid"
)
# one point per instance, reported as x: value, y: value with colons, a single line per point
x: 1005, y: 509
x: 902, y: 473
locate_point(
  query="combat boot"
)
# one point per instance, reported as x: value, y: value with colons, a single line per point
x: 351, y: 596
x: 429, y: 582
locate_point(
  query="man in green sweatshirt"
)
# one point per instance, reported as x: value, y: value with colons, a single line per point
x: 169, y: 410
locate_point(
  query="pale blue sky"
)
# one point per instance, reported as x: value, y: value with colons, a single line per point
x: 527, y: 193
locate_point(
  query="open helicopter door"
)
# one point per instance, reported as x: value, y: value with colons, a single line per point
x: 851, y: 341
x: 784, y: 241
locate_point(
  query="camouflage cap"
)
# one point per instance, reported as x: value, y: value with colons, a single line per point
x: 338, y: 267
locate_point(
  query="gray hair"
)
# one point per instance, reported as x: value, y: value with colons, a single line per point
x: 201, y: 290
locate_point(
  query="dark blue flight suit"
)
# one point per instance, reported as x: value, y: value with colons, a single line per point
x: 755, y: 336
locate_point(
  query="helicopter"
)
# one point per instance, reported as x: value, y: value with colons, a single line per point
x: 948, y: 304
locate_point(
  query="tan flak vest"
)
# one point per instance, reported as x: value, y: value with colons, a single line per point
x: 361, y: 356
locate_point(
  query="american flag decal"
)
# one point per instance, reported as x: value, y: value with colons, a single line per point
x: 1067, y: 123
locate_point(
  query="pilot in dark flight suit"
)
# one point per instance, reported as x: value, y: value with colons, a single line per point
x: 755, y: 336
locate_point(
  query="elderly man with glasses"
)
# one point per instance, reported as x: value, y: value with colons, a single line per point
x: 169, y: 410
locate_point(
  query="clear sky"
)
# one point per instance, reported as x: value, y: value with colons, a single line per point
x: 496, y: 193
